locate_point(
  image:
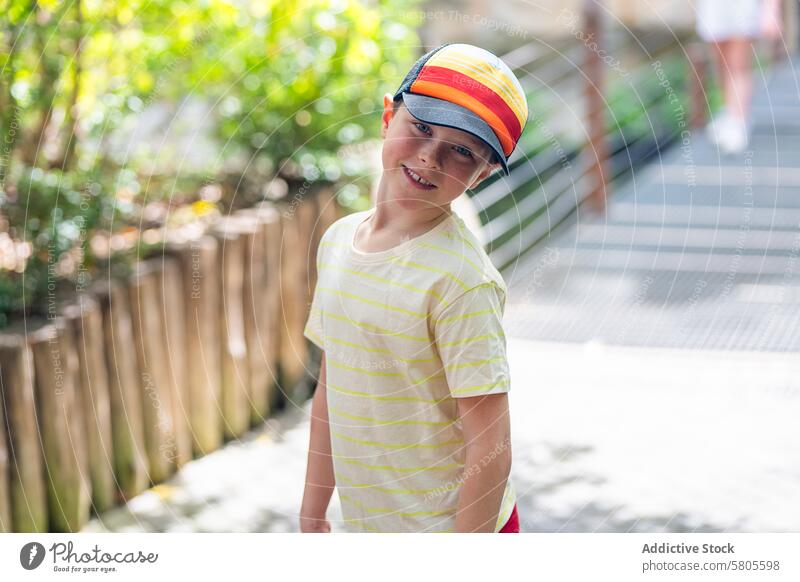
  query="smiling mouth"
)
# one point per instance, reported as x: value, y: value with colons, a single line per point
x: 417, y: 179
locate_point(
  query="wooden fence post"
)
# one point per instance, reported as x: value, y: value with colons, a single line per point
x: 235, y: 378
x: 153, y: 367
x: 308, y: 213
x: 273, y: 248
x: 199, y: 266
x: 297, y: 228
x: 262, y: 307
x: 328, y: 212
x: 595, y: 106
x: 61, y: 425
x: 6, y: 524
x: 86, y: 325
x: 130, y: 461
x: 254, y: 310
x: 171, y: 302
x: 28, y: 494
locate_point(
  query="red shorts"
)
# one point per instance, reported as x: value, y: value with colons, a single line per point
x: 512, y: 525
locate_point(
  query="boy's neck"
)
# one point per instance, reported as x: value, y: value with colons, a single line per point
x: 405, y: 216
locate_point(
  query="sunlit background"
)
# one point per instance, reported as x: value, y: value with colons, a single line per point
x: 167, y: 169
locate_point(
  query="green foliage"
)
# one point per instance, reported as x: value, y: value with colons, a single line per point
x: 295, y: 81
x: 287, y: 84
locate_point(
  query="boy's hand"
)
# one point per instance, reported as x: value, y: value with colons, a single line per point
x: 309, y: 524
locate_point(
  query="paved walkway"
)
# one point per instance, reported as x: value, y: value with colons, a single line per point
x: 605, y: 439
x: 653, y: 352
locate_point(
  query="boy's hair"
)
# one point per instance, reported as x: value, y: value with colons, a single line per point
x: 492, y: 158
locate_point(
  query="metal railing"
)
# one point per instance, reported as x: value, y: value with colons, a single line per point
x: 582, y: 136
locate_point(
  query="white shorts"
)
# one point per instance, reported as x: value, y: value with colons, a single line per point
x: 723, y: 19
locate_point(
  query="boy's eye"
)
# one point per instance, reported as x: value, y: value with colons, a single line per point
x: 422, y: 127
x: 460, y: 149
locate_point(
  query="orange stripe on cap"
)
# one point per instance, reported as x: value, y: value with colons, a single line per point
x: 448, y: 93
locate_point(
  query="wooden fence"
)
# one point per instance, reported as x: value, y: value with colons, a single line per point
x: 130, y: 380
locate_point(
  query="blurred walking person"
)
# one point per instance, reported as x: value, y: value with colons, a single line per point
x: 731, y: 27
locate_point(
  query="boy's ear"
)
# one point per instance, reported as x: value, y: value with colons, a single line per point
x: 388, y: 113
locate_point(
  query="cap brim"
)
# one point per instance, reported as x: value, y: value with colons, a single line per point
x: 440, y: 112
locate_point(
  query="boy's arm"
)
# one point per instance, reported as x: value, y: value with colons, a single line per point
x: 320, y: 481
x: 487, y: 437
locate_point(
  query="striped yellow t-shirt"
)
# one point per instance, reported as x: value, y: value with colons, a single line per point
x: 406, y: 331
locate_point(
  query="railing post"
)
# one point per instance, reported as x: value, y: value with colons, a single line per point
x: 595, y: 107
x: 792, y: 21
x: 698, y: 72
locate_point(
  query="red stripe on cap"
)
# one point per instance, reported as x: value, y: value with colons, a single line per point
x: 479, y: 92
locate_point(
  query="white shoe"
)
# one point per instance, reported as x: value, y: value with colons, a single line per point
x: 733, y: 136
x: 714, y: 126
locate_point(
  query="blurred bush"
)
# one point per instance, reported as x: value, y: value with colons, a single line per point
x: 83, y: 166
x: 297, y: 80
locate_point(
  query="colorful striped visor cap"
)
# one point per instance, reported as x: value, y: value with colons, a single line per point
x: 468, y: 88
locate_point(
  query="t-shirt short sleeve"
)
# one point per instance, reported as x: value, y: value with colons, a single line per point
x: 471, y: 343
x: 313, y: 329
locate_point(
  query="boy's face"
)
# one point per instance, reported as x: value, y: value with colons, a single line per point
x: 450, y: 159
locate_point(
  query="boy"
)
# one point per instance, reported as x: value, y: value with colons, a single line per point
x: 410, y: 416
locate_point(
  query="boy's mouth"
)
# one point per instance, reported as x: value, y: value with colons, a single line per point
x: 416, y: 180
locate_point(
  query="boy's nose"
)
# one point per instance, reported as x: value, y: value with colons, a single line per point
x: 430, y: 154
